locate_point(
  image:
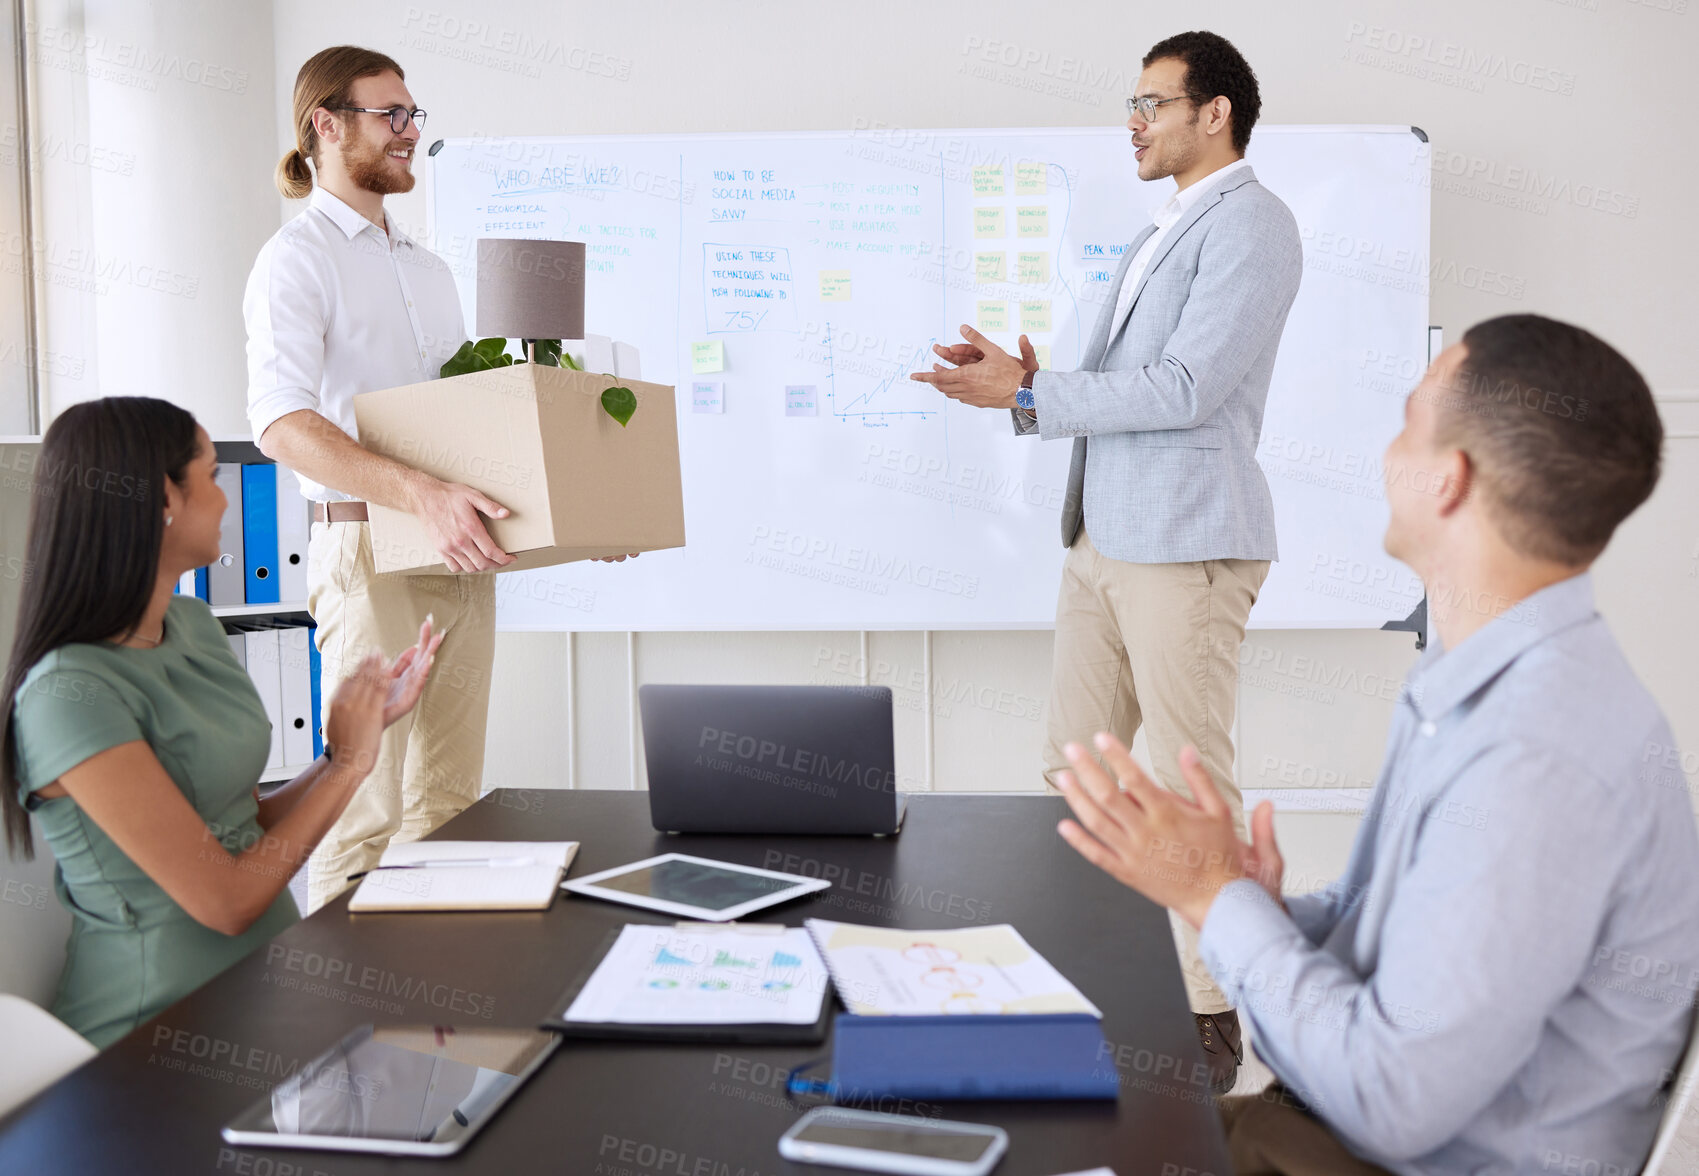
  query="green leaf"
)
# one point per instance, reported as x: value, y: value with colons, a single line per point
x: 566, y: 360
x: 619, y: 403
x: 493, y: 352
x: 477, y: 357
x: 461, y: 362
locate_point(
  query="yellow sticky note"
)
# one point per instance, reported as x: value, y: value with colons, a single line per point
x: 707, y: 357
x: 1032, y: 269
x: 834, y: 285
x: 988, y: 222
x: 1032, y: 221
x: 987, y: 179
x: 988, y: 267
x: 993, y: 316
x: 1042, y: 350
x: 1035, y: 316
x: 1030, y: 179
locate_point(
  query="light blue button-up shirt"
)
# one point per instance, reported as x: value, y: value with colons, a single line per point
x: 1504, y: 977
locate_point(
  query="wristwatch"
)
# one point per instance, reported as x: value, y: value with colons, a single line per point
x: 1023, y: 394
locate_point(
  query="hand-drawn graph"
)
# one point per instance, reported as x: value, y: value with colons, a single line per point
x: 865, y: 407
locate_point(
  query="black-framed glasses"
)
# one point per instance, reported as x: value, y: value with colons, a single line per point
x: 1145, y: 106
x: 399, y: 116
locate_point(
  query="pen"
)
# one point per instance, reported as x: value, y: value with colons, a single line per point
x: 453, y: 863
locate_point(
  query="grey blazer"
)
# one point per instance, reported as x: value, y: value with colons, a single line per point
x: 1166, y: 406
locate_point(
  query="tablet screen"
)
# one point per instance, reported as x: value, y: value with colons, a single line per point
x: 713, y: 888
x: 427, y: 1084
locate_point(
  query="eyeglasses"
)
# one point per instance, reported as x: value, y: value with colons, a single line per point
x: 1145, y: 107
x: 399, y: 116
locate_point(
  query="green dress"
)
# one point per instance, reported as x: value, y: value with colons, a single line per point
x: 133, y: 950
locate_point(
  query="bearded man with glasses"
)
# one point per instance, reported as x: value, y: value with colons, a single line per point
x: 342, y: 301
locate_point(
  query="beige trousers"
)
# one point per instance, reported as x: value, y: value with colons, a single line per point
x: 1154, y: 645
x: 431, y: 763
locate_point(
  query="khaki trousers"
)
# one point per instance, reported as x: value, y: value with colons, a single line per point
x: 1154, y: 645
x: 1273, y: 1134
x: 430, y: 763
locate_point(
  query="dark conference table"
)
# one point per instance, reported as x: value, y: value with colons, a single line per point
x: 154, y: 1102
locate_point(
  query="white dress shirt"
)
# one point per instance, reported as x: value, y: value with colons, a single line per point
x: 336, y: 307
x: 1165, y: 217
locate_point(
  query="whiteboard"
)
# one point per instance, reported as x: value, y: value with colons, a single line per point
x: 823, y: 488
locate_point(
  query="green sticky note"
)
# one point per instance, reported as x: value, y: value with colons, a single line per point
x: 988, y: 222
x: 987, y: 179
x: 1032, y: 269
x: 1032, y: 221
x: 834, y: 285
x: 1030, y: 179
x: 1035, y: 316
x: 993, y: 316
x: 1042, y: 350
x: 988, y: 267
x: 707, y: 357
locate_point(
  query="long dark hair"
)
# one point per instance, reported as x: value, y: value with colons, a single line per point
x: 97, y: 520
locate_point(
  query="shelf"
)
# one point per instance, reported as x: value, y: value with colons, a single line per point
x: 282, y: 775
x: 240, y: 451
x: 285, y: 608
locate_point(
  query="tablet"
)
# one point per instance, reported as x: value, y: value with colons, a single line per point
x: 419, y: 1090
x: 697, y: 888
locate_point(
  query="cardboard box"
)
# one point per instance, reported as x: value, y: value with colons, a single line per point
x: 537, y: 440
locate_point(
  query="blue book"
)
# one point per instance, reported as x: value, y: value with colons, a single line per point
x: 200, y: 583
x: 1009, y: 1056
x: 313, y: 674
x: 259, y: 533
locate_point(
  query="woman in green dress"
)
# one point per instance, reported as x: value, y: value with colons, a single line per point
x: 136, y: 738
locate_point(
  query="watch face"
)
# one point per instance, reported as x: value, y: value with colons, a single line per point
x: 1023, y: 398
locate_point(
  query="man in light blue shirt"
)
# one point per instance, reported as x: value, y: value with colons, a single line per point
x: 1504, y: 978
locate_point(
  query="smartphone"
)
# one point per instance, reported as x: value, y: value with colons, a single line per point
x: 848, y: 1138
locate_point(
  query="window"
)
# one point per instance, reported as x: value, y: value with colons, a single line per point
x: 18, y: 355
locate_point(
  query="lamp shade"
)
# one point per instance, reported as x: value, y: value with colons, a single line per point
x: 530, y: 289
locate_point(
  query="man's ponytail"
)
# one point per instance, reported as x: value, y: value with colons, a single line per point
x: 294, y: 177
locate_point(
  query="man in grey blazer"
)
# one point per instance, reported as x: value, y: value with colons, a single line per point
x: 1168, y: 521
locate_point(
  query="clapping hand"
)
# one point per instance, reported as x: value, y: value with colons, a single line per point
x: 406, y: 675
x: 984, y: 375
x: 1176, y: 852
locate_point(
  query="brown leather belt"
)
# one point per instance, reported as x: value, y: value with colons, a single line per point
x: 339, y: 512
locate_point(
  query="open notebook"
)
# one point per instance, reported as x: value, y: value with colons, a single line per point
x: 519, y: 876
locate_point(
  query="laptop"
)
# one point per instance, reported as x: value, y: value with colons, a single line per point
x: 770, y: 759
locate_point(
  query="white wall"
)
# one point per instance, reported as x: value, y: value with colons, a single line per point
x: 156, y: 138
x: 1563, y: 123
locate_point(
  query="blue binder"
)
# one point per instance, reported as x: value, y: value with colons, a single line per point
x: 313, y: 672
x: 259, y: 532
x: 200, y: 583
x: 1019, y: 1056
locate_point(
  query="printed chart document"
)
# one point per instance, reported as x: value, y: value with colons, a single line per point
x: 889, y: 971
x: 721, y: 975
x: 472, y: 876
